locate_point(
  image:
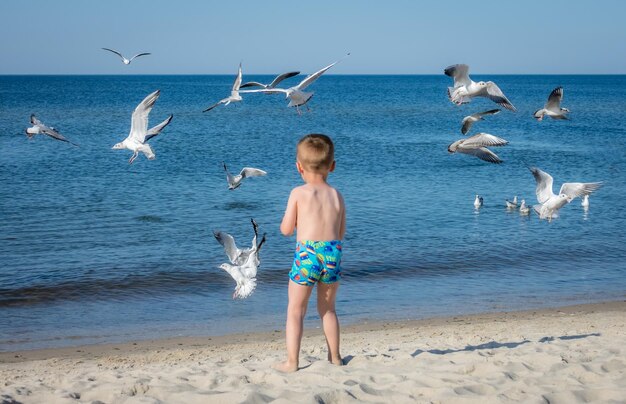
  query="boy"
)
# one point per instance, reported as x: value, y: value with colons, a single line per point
x: 318, y: 212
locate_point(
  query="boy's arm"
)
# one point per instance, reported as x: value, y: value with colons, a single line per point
x: 342, y: 227
x: 291, y: 213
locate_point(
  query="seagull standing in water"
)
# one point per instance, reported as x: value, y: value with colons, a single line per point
x: 549, y: 203
x: 511, y: 204
x: 469, y: 120
x: 553, y: 106
x: 296, y: 94
x: 124, y: 60
x: 40, y: 128
x: 139, y: 134
x: 234, y: 181
x: 477, y: 146
x: 478, y: 202
x: 234, y: 93
x: 465, y: 88
x: 523, y: 209
x: 274, y: 82
x: 243, y: 262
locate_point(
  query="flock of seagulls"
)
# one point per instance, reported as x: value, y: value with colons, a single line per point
x: 462, y: 92
x: 243, y: 263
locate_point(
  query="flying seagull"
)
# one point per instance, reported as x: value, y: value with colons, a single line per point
x: 243, y: 263
x: 549, y: 203
x: 234, y: 93
x: 137, y: 140
x: 465, y: 88
x: 477, y: 146
x: 273, y: 84
x: 236, y: 255
x: 553, y: 106
x: 296, y: 94
x: 234, y: 181
x: 469, y: 120
x: 124, y: 60
x: 39, y: 128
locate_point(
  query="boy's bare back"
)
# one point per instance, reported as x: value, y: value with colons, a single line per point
x: 318, y: 212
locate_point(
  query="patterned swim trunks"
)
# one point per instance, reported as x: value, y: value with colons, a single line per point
x: 316, y: 261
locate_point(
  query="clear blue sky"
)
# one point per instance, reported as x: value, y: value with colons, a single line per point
x: 384, y: 37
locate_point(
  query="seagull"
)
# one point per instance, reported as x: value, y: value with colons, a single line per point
x: 553, y: 106
x: 296, y: 94
x: 477, y: 146
x: 585, y: 201
x: 234, y: 181
x: 139, y: 134
x: 523, y: 209
x: 238, y: 256
x: 243, y: 263
x: 124, y: 60
x: 511, y: 204
x: 469, y: 120
x: 465, y: 88
x: 39, y: 128
x: 234, y: 93
x: 478, y: 202
x: 273, y: 84
x: 549, y: 203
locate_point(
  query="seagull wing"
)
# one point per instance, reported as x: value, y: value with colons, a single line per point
x: 266, y: 91
x: 228, y: 242
x: 251, y: 172
x: 139, y: 121
x: 544, y: 185
x: 114, y: 51
x: 35, y: 121
x: 237, y: 82
x: 468, y: 121
x: 158, y: 128
x: 554, y: 100
x: 481, y: 152
x: 496, y: 95
x: 252, y: 84
x: 140, y: 54
x: 485, y: 113
x: 460, y: 74
x: 312, y: 77
x: 282, y: 77
x: 216, y: 104
x: 577, y: 189
x: 467, y: 124
x: 483, y: 140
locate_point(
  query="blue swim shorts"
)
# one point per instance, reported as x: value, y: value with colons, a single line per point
x: 316, y: 261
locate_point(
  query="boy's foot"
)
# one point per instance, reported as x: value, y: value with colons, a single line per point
x: 285, y: 367
x: 335, y: 361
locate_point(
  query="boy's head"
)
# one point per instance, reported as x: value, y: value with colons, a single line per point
x: 316, y: 153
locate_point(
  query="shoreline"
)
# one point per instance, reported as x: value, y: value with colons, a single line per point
x: 278, y: 336
x: 571, y: 354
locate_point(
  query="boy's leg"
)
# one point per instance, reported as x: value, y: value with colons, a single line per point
x: 326, y: 295
x: 296, y: 309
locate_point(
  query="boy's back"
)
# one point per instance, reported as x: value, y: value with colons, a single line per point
x: 320, y: 209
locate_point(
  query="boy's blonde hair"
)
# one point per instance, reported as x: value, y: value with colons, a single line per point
x: 315, y: 152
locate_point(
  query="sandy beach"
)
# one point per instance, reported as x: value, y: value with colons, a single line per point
x: 563, y: 355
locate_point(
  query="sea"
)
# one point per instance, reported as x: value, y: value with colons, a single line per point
x: 96, y: 250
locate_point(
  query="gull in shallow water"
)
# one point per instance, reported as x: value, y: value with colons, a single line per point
x: 477, y: 146
x: 478, y: 202
x: 274, y: 82
x: 523, y: 209
x: 549, y: 203
x: 511, y: 204
x: 469, y: 120
x: 296, y: 94
x: 234, y: 93
x: 234, y: 181
x: 139, y: 134
x: 40, y: 128
x: 243, y: 262
x: 553, y: 106
x: 124, y: 60
x: 465, y: 88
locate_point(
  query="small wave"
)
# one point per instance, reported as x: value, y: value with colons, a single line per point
x: 151, y: 219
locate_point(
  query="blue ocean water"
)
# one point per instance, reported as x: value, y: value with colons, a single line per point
x: 93, y: 249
